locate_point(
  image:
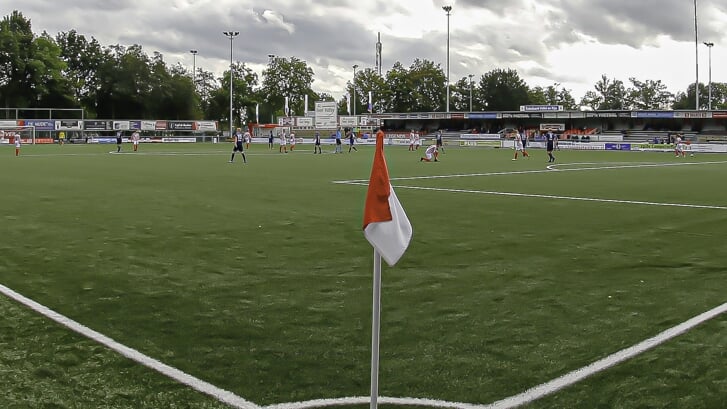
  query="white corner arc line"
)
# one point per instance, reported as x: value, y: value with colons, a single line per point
x: 171, y: 372
x: 535, y: 392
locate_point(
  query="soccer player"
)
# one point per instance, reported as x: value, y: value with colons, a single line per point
x: 283, y: 143
x: 237, y: 146
x: 411, y: 140
x: 520, y: 145
x: 17, y: 145
x: 679, y: 147
x: 432, y: 153
x: 135, y: 139
x: 270, y: 140
x: 439, y: 143
x: 550, y: 142
x: 119, y: 140
x: 317, y: 143
x: 248, y: 139
x: 292, y: 141
x: 351, y: 141
x: 339, y: 149
x: 417, y: 141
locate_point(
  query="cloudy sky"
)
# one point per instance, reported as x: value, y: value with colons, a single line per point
x: 566, y: 42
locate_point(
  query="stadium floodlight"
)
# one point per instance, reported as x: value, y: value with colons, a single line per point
x: 448, y: 9
x: 194, y: 67
x: 709, y: 101
x: 231, y: 35
x: 471, y: 75
x: 354, y: 88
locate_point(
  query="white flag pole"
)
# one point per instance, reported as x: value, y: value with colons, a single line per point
x: 375, y: 327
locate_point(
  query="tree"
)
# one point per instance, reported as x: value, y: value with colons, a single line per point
x: 428, y: 86
x: 244, y: 98
x: 398, y: 82
x: 16, y: 53
x: 367, y: 80
x: 83, y: 59
x: 686, y: 100
x: 611, y: 94
x: 285, y: 77
x: 503, y: 90
x: 460, y: 94
x: 648, y: 94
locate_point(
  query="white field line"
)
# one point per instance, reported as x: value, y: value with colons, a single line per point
x: 584, y: 199
x: 173, y: 373
x: 550, y: 168
x: 533, y: 393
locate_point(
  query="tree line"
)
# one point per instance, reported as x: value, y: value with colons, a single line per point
x: 123, y: 82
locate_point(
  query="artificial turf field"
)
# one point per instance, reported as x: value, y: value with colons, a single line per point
x: 257, y: 279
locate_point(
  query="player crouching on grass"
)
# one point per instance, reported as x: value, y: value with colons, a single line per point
x: 432, y: 153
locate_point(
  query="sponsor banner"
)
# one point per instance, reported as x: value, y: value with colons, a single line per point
x: 122, y: 125
x: 606, y: 138
x: 493, y: 144
x: 307, y: 121
x: 368, y: 121
x: 481, y: 136
x: 136, y: 125
x: 618, y: 146
x: 348, y: 121
x: 576, y: 115
x: 285, y: 121
x: 439, y: 116
x: 185, y: 140
x: 40, y: 125
x: 95, y: 125
x: 521, y: 116
x: 181, y: 125
x: 552, y: 127
x: 601, y: 115
x: 541, y: 108
x: 9, y: 124
x: 550, y: 115
x: 206, y: 125
x: 326, y: 115
x: 68, y: 125
x: 457, y: 115
x: 563, y: 115
x: 483, y: 115
x: 652, y: 114
x: 147, y: 125
x: 697, y: 114
x: 719, y: 114
x: 160, y: 125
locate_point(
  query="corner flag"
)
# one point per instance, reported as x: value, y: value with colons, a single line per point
x: 385, y: 223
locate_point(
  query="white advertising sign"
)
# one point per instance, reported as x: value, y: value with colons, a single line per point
x: 326, y: 115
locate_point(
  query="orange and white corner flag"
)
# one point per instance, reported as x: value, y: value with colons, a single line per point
x: 385, y: 223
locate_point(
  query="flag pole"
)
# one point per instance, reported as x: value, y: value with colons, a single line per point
x: 375, y: 327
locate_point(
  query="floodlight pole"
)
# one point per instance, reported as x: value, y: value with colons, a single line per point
x: 709, y: 47
x: 696, y: 57
x: 354, y: 89
x: 194, y: 68
x: 471, y: 75
x: 231, y: 35
x: 448, y: 9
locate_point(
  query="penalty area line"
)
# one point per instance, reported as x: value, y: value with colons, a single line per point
x: 171, y: 372
x: 541, y: 196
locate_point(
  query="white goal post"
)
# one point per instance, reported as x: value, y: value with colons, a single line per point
x: 25, y: 133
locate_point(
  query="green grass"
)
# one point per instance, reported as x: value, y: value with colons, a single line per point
x: 257, y: 278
